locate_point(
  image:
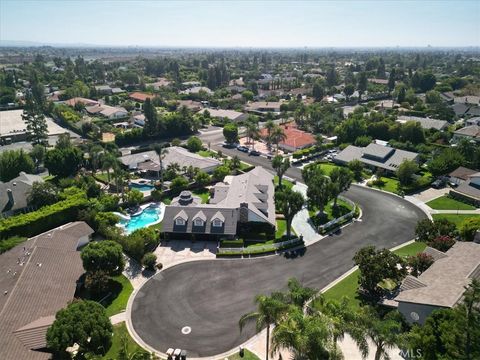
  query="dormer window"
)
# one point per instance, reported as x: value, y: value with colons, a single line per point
x: 217, y: 223
x: 179, y: 221
x: 198, y: 222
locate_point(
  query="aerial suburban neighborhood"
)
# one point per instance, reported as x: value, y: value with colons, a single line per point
x: 177, y: 185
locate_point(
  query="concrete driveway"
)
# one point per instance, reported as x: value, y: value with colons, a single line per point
x: 210, y: 296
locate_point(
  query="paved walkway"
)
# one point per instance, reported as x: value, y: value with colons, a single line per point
x: 301, y: 221
x: 118, y: 318
x: 476, y: 211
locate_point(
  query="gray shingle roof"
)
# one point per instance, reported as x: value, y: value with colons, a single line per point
x: 471, y: 131
x: 446, y: 279
x: 425, y: 123
x: 20, y: 187
x: 41, y: 284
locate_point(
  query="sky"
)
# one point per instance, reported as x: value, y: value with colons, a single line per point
x: 247, y: 23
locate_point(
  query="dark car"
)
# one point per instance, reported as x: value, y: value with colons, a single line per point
x: 254, y: 153
x: 439, y: 183
x: 242, y: 148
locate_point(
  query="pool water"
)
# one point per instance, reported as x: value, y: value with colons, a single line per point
x: 141, y: 187
x: 144, y: 219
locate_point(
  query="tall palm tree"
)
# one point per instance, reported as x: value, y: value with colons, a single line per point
x: 307, y: 336
x: 161, y: 152
x: 269, y: 310
x: 120, y: 176
x: 277, y: 136
x: 299, y: 295
x: 95, y: 153
x: 383, y: 331
x: 269, y: 125
x: 252, y: 132
x: 109, y: 161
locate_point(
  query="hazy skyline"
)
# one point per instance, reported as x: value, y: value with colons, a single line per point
x: 243, y: 23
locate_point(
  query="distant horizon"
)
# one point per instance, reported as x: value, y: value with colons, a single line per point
x: 245, y: 24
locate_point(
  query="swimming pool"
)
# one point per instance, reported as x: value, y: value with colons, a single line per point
x: 147, y: 217
x: 141, y: 187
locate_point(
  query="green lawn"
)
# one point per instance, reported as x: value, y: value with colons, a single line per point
x: 204, y: 194
x: 281, y: 228
x: 348, y: 286
x: 457, y: 219
x: 330, y: 212
x: 119, y: 303
x: 120, y: 331
x: 207, y: 153
x: 103, y: 177
x: 246, y: 356
x: 285, y: 183
x: 260, y: 239
x: 7, y: 244
x: 328, y: 167
x: 389, y: 184
x: 447, y: 203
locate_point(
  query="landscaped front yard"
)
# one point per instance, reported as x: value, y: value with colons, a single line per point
x: 120, y: 331
x: 330, y: 212
x: 348, y: 286
x: 457, y: 219
x: 448, y: 203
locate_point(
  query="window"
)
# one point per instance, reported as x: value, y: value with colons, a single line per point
x: 217, y: 223
x: 179, y: 221
x: 198, y: 222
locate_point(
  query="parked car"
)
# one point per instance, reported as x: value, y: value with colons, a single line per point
x: 254, y: 153
x: 229, y: 146
x: 242, y: 148
x: 438, y: 184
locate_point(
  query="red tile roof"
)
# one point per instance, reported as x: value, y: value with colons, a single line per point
x: 296, y: 138
x: 139, y: 96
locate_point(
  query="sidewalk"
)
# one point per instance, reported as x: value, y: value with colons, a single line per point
x: 301, y: 221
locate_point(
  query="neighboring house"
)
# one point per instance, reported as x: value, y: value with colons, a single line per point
x: 471, y: 132
x: 14, y: 193
x: 110, y: 112
x: 38, y: 278
x: 237, y: 82
x: 460, y: 109
x: 378, y: 81
x: 190, y: 105
x: 148, y: 160
x: 425, y: 123
x: 236, y: 89
x: 103, y: 89
x: 386, y: 105
x: 197, y: 90
x: 347, y: 110
x: 141, y: 97
x: 447, y: 96
x: 160, y: 83
x: 190, y: 84
x: 473, y: 121
x: 138, y: 119
x: 461, y: 175
x: 469, y: 190
x: 375, y: 156
x: 85, y: 102
x: 469, y: 100
x: 263, y: 107
x: 231, y: 115
x: 296, y: 139
x: 117, y: 90
x: 238, y: 201
x: 442, y: 285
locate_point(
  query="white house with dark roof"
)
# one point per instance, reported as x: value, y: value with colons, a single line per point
x: 425, y: 123
x: 241, y: 199
x: 442, y: 285
x: 375, y: 156
x: 231, y: 115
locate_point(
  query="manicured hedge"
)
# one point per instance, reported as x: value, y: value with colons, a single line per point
x: 44, y: 219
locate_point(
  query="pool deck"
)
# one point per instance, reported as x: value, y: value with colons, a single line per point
x: 142, y: 208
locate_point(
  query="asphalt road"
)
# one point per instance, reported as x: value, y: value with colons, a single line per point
x: 210, y: 296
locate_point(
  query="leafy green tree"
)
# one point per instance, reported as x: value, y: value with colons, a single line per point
x: 63, y: 162
x: 351, y: 129
x: 149, y: 260
x: 151, y: 119
x: 202, y: 178
x: 38, y: 154
x: 356, y: 166
x: 318, y: 92
x: 419, y: 263
x: 406, y: 170
x: 97, y: 282
x: 342, y: 179
x: 269, y: 310
x: 319, y: 191
x: 220, y: 172
x: 375, y: 266
x: 445, y: 162
x: 289, y: 203
x: 469, y: 227
x: 42, y: 194
x: 134, y: 197
x: 230, y: 132
x: 391, y: 80
x: 194, y: 144
x: 349, y: 90
x: 412, y: 131
x: 427, y: 82
x: 179, y: 184
x: 103, y: 256
x: 280, y: 165
x: 84, y: 323
x: 12, y: 162
x: 362, y: 84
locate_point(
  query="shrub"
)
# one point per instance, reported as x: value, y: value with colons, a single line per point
x: 442, y: 243
x: 469, y: 227
x: 46, y: 218
x: 159, y: 266
x: 97, y: 282
x: 419, y: 263
x: 149, y: 260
